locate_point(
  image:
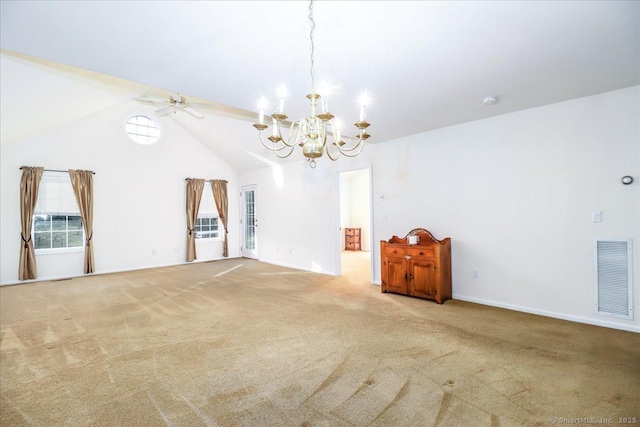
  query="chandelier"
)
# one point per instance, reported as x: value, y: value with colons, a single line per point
x: 317, y: 133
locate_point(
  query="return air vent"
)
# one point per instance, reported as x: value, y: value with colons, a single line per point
x: 614, y: 278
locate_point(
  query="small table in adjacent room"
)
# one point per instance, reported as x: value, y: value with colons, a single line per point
x: 352, y: 239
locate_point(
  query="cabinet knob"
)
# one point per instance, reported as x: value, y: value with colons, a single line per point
x: 421, y: 253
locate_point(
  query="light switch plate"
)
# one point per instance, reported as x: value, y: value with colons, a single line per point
x: 596, y: 216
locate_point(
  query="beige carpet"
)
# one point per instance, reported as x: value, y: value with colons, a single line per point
x: 242, y: 343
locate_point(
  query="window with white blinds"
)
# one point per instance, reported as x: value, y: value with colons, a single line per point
x: 208, y: 221
x: 57, y: 223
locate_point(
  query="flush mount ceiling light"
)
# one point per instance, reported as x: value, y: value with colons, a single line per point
x: 317, y: 133
x: 490, y: 100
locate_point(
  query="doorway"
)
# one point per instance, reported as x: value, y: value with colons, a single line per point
x: 249, y: 222
x: 354, y: 219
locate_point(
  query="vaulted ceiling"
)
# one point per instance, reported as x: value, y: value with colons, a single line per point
x: 426, y: 65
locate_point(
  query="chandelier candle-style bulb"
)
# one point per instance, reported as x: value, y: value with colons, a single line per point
x: 315, y: 132
x: 282, y: 92
x: 260, y: 125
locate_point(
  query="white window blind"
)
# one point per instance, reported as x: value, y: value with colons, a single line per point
x: 55, y: 194
x: 207, y: 223
x: 207, y: 204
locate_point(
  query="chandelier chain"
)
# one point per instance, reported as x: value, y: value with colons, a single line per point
x: 313, y: 27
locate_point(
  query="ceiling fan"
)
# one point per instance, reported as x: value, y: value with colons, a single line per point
x: 174, y: 104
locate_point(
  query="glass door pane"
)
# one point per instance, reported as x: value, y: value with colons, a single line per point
x: 249, y: 223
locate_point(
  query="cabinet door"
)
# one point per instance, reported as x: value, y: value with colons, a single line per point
x: 422, y: 278
x: 396, y: 275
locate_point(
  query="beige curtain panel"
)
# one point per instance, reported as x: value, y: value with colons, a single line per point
x: 194, y: 195
x: 219, y: 188
x: 82, y: 182
x: 29, y: 184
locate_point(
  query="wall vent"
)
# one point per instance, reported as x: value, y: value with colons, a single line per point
x: 614, y: 296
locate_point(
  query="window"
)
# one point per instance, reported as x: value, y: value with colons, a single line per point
x: 142, y: 129
x: 208, y: 221
x: 57, y: 223
x: 206, y: 227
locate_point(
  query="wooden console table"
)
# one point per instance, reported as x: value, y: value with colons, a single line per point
x: 421, y: 270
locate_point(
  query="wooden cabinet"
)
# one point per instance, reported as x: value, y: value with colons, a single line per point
x: 421, y: 270
x: 352, y: 239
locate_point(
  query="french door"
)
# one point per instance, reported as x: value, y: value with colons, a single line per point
x: 249, y: 222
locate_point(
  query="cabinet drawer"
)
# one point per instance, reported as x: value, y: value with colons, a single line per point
x: 394, y: 251
x: 421, y: 252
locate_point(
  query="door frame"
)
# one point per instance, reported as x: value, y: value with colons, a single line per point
x: 337, y: 245
x: 243, y: 252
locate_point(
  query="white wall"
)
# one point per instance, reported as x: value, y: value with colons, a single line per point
x: 298, y: 222
x: 515, y: 193
x: 139, y: 193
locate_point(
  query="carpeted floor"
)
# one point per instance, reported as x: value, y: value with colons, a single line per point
x: 242, y: 343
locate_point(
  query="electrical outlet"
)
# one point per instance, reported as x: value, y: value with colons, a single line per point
x: 383, y: 218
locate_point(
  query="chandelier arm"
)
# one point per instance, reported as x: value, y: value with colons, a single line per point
x: 347, y: 154
x: 286, y: 155
x: 328, y: 150
x: 360, y: 142
x: 287, y: 142
x: 271, y: 148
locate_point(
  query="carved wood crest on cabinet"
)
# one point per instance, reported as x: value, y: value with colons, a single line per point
x: 417, y: 265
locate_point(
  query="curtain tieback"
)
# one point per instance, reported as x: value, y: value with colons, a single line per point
x: 89, y: 239
x: 190, y: 231
x: 26, y: 242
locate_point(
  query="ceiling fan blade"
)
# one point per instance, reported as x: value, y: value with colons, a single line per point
x: 193, y: 112
x: 165, y: 110
x: 151, y: 100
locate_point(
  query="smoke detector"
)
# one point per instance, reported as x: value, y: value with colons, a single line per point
x: 489, y: 100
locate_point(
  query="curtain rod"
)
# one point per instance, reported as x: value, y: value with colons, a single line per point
x: 209, y: 180
x: 52, y: 170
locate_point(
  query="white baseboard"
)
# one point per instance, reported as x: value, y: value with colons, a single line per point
x: 98, y: 273
x: 578, y: 319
